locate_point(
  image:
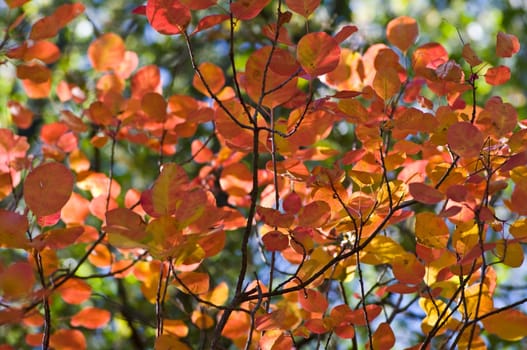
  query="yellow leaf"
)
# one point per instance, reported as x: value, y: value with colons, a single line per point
x: 511, y: 253
x: 431, y: 230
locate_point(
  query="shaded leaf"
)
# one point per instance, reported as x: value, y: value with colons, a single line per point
x: 465, y: 139
x: 383, y: 338
x: 47, y: 188
x: 506, y: 45
x: 275, y: 241
x: 424, y: 193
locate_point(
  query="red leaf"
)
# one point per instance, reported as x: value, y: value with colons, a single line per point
x: 198, y: 4
x: 314, y: 215
x: 465, y: 139
x: 22, y: 116
x: 16, y: 281
x: 317, y: 326
x: 167, y: 17
x: 424, y: 193
x: 91, y: 317
x: 139, y: 10
x: 383, y: 338
x: 248, y: 9
x: 470, y: 56
x: 498, y: 75
x: 275, y: 241
x: 506, y: 45
x: 15, y: 3
x: 209, y: 21
x: 318, y: 53
x: 292, y: 203
x: 47, y: 188
x: 345, y: 32
x: 303, y: 7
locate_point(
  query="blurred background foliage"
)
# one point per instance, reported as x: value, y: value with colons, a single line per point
x: 449, y: 22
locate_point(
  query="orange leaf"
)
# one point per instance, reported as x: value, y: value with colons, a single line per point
x: 312, y: 300
x: 91, y: 317
x: 386, y: 83
x: 248, y: 9
x: 47, y: 188
x: 345, y: 32
x: 275, y: 218
x: 175, y: 327
x: 196, y: 282
x: 498, y: 75
x: 17, y: 280
x: 75, y: 291
x: 154, y: 106
x: 218, y: 295
x: 275, y: 241
x: 167, y: 17
x: 506, y: 45
x: 15, y: 3
x: 509, y: 324
x: 146, y: 79
x: 303, y: 7
x: 465, y: 139
x: 22, y: 116
x: 37, y: 90
x: 383, y: 338
x: 42, y: 50
x: 169, y: 342
x: 201, y: 320
x: 425, y: 194
x: 213, y: 76
x: 402, y: 32
x: 470, y: 56
x: 314, y: 215
x: 431, y: 230
x: 13, y: 227
x: 68, y: 339
x: 318, y: 53
x: 106, y: 52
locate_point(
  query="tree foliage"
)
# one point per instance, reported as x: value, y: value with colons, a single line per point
x: 297, y: 193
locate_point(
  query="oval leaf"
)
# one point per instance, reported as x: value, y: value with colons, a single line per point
x: 465, y: 139
x: 91, y: 317
x: 402, y: 32
x: 47, y: 188
x: 425, y: 194
x: 318, y: 53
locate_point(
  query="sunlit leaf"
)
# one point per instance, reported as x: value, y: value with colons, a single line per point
x: 195, y: 282
x: 248, y: 9
x: 275, y: 241
x: 318, y: 53
x: 386, y: 83
x: 201, y: 320
x: 402, y: 32
x: 68, y: 339
x: 303, y: 7
x: 169, y: 342
x: 167, y: 17
x: 431, y: 230
x: 106, y: 52
x: 91, y: 318
x: 498, y: 75
x: 213, y: 76
x: 508, y: 324
x: 75, y: 291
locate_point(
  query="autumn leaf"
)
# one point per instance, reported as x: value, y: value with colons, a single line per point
x: 91, y: 317
x: 506, y: 44
x: 303, y: 7
x: 498, y: 75
x: 431, y: 230
x: 424, y: 193
x: 508, y: 324
x: 47, y: 188
x: 318, y: 53
x: 106, y: 52
x: 247, y: 9
x: 465, y: 139
x: 167, y: 17
x: 402, y: 32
